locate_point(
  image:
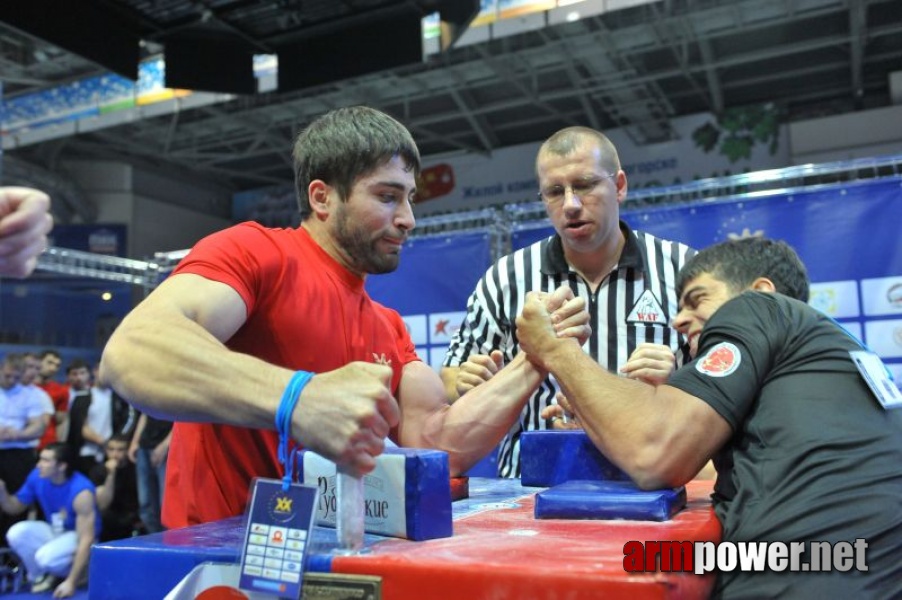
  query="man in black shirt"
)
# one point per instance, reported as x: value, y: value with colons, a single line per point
x: 804, y: 451
x: 117, y: 496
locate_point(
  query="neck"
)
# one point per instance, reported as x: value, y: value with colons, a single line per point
x: 595, y: 266
x: 325, y: 241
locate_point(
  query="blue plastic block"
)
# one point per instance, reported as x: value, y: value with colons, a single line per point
x: 408, y: 494
x: 608, y: 500
x: 548, y: 458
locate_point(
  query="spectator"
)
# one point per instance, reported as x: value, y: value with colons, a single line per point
x: 117, y: 496
x: 107, y: 414
x: 78, y: 374
x: 59, y: 395
x: 24, y: 413
x: 54, y: 551
x: 149, y: 450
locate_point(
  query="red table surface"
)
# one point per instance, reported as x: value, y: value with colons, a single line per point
x: 503, y: 552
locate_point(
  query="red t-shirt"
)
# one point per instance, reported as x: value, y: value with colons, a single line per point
x: 59, y: 395
x: 304, y: 312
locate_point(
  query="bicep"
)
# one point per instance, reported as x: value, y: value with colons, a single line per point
x: 697, y: 431
x: 84, y: 505
x: 420, y: 395
x: 215, y: 306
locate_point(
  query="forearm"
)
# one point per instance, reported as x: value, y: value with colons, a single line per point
x: 170, y: 367
x: 80, y: 560
x: 104, y: 492
x: 623, y: 417
x: 471, y: 427
x: 88, y: 433
x: 11, y: 505
x: 32, y: 430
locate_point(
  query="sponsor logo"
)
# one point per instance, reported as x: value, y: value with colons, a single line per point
x: 441, y: 327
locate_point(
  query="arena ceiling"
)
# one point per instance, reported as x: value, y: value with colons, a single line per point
x: 633, y: 68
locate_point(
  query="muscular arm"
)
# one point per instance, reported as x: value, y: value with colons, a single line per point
x: 169, y: 359
x: 468, y: 429
x: 84, y: 530
x: 661, y: 436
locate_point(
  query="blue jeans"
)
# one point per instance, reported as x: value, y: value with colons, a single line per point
x: 151, y: 481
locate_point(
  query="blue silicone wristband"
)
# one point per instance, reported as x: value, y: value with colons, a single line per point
x: 283, y: 420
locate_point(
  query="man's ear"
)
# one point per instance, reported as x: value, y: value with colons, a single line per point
x: 622, y: 186
x: 318, y: 196
x: 763, y: 284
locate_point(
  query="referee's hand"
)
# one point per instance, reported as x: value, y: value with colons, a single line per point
x: 478, y: 369
x: 560, y: 416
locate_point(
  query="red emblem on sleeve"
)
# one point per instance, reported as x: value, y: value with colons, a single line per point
x: 719, y: 361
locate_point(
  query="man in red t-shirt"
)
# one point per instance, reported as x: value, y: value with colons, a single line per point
x: 219, y: 340
x: 58, y: 392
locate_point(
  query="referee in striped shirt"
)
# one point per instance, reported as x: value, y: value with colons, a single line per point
x: 626, y: 277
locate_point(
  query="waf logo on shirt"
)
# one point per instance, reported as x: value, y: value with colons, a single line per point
x: 719, y: 361
x: 647, y: 310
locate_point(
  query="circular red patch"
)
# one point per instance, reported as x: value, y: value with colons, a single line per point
x: 719, y: 361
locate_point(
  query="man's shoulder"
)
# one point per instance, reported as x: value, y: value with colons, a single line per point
x: 80, y: 481
x: 539, y: 249
x: 643, y: 235
x: 247, y: 234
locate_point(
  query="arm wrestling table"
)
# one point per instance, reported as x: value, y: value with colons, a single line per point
x: 498, y: 551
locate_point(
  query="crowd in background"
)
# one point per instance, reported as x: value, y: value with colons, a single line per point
x: 121, y: 451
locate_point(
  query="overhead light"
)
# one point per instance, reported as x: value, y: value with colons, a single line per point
x: 106, y: 296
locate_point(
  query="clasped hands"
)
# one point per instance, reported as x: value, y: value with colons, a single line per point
x: 649, y: 363
x: 568, y: 318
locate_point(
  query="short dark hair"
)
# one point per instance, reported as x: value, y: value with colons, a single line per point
x: 120, y: 437
x: 77, y: 364
x: 63, y: 454
x: 49, y: 352
x: 738, y: 263
x: 345, y: 144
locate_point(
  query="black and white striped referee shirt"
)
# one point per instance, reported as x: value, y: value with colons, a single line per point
x: 634, y: 304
